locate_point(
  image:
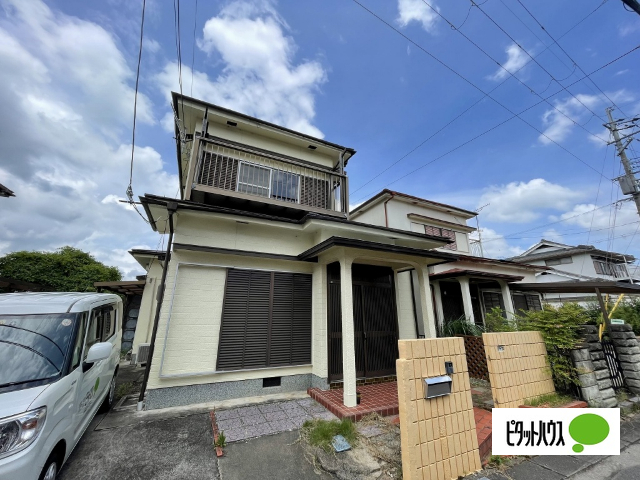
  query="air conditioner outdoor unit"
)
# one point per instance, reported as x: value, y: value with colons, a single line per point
x: 143, y: 354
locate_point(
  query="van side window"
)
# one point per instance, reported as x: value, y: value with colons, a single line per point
x: 77, y: 346
x: 108, y: 322
x: 94, y: 333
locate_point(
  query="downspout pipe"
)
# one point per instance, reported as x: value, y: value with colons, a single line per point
x: 386, y: 217
x: 172, y: 207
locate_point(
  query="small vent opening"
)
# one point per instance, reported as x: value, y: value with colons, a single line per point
x: 271, y: 382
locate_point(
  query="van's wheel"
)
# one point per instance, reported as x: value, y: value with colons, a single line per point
x: 111, y: 395
x: 51, y: 467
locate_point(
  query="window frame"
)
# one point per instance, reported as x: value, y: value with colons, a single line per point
x: 252, y: 185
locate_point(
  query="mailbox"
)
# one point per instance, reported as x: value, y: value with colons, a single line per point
x: 437, y: 386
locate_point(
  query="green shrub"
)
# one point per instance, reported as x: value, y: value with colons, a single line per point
x: 560, y: 330
x: 550, y: 400
x: 495, y: 321
x: 321, y: 432
x: 459, y: 326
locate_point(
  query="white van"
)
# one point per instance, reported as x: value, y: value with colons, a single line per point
x: 59, y: 355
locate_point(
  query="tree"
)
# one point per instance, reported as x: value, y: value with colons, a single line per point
x: 67, y: 269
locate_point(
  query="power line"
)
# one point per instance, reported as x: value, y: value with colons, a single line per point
x: 572, y: 232
x: 567, y: 54
x: 485, y: 94
x: 135, y: 114
x: 504, y: 122
x: 193, y: 47
x: 532, y: 58
x: 437, y: 12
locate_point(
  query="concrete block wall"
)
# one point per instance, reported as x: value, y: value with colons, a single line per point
x: 438, y: 435
x: 593, y: 372
x: 626, y: 345
x: 518, y: 367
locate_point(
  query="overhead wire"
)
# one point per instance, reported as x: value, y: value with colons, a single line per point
x: 485, y: 94
x: 533, y: 58
x: 135, y: 114
x: 502, y: 123
x: 193, y: 47
x: 567, y: 54
x: 475, y: 44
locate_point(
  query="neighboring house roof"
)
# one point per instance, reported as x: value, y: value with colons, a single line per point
x: 457, y: 226
x: 567, y: 250
x: 495, y: 261
x: 573, y: 276
x: 5, y: 192
x: 541, y: 245
x: 387, y: 194
x: 605, y: 286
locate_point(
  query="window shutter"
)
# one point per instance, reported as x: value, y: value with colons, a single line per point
x: 266, y: 320
x: 533, y: 302
x: 314, y: 192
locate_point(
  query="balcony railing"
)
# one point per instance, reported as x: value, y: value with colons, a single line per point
x: 245, y: 174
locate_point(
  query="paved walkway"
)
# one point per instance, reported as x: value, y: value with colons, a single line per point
x: 255, y: 421
x: 625, y: 466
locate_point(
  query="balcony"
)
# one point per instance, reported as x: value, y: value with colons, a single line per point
x: 227, y: 173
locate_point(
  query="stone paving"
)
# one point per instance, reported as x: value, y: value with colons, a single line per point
x: 255, y: 421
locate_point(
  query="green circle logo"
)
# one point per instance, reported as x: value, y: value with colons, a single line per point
x: 588, y: 429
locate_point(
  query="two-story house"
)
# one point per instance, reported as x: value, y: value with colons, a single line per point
x: 270, y: 285
x: 581, y: 263
x: 471, y: 285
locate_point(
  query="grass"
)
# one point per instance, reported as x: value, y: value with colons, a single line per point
x: 549, y: 400
x: 320, y: 432
x: 126, y: 388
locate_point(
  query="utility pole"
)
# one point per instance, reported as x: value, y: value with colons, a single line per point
x: 629, y: 184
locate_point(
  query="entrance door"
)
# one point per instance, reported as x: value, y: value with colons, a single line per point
x: 375, y: 321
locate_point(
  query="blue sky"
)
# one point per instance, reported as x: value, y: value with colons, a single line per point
x: 331, y: 69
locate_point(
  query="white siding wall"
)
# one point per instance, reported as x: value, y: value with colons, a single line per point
x: 404, y: 300
x: 147, y: 306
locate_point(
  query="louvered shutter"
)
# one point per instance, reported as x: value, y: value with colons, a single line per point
x: 266, y: 320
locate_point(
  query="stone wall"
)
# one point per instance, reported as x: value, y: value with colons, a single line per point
x: 518, y: 367
x: 628, y: 350
x: 593, y: 372
x: 438, y: 435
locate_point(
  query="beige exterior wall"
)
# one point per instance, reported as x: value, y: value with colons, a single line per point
x: 518, y: 367
x: 273, y: 144
x: 438, y: 436
x: 148, y: 305
x: 194, y: 306
x: 404, y: 302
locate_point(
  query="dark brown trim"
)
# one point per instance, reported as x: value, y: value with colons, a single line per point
x: 410, y: 197
x: 474, y: 273
x: 152, y: 253
x: 149, y: 199
x: 578, y: 287
x: 313, y: 252
x: 463, y: 228
x: 233, y: 251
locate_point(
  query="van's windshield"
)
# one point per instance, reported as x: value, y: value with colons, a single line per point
x: 33, y: 348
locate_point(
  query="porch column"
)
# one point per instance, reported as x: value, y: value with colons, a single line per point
x: 437, y: 293
x: 348, y: 335
x: 426, y: 304
x: 506, y: 298
x: 466, y: 299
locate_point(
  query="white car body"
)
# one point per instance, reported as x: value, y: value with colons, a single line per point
x: 73, y: 399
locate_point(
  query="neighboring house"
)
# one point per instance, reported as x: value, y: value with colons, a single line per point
x: 472, y: 285
x: 581, y: 263
x: 271, y: 286
x: 5, y: 192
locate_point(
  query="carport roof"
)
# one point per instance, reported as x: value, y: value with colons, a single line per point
x: 127, y: 287
x: 460, y: 272
x: 579, y: 287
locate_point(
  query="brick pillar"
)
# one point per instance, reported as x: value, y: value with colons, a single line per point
x: 599, y: 368
x: 628, y: 350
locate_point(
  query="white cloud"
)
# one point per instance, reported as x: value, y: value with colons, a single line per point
x: 559, y: 122
x: 65, y: 145
x: 259, y: 76
x: 417, y: 11
x: 516, y: 59
x: 494, y: 245
x: 521, y: 202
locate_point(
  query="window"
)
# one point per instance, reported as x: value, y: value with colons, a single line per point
x: 558, y: 261
x: 94, y: 331
x: 266, y: 320
x: 617, y: 270
x: 108, y: 324
x: 77, y: 346
x: 101, y: 326
x: 524, y: 302
x: 254, y: 179
x: 285, y: 186
x: 442, y: 232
